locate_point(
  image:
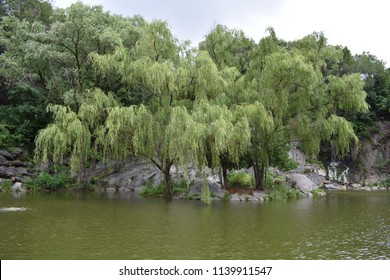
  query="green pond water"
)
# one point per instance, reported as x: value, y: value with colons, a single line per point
x: 343, y: 225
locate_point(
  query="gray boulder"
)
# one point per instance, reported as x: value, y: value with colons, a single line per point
x: 261, y: 198
x: 124, y: 189
x: 251, y: 198
x: 356, y: 186
x: 301, y: 182
x: 18, y: 153
x: 7, y: 155
x: 196, y: 190
x: 3, y: 160
x: 331, y: 187
x: 133, y: 174
x: 259, y: 194
x: 235, y: 197
x: 6, y: 172
x: 18, y: 163
x: 11, y: 171
x: 308, y: 194
x: 17, y: 188
x: 316, y: 178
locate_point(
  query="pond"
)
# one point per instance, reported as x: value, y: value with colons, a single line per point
x: 343, y: 225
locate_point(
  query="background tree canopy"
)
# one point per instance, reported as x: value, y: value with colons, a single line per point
x: 99, y: 86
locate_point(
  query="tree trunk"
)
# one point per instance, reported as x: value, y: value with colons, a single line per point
x: 168, y: 178
x: 259, y: 172
x: 224, y: 161
x: 224, y: 177
x: 91, y: 171
x: 168, y: 183
x: 165, y: 168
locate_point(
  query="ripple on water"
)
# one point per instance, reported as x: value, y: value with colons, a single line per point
x: 13, y: 209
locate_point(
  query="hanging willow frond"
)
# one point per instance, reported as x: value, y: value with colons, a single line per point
x: 224, y: 133
x: 66, y: 137
x: 76, y: 136
x: 343, y: 134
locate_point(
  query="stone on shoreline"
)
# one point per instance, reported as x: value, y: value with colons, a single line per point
x: 196, y: 190
x: 331, y: 187
x: 234, y: 197
x: 301, y: 182
x: 356, y: 185
x: 17, y: 188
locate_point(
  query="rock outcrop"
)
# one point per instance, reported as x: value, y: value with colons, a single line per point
x: 195, y: 191
x: 374, y: 157
x: 13, y: 165
x: 132, y: 175
x: 301, y: 182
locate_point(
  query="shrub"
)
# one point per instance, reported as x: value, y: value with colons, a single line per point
x: 180, y: 186
x: 320, y: 164
x: 47, y: 181
x: 269, y: 180
x: 278, y: 193
x: 316, y: 192
x: 281, y: 192
x: 150, y: 191
x: 272, y: 179
x: 385, y: 182
x: 240, y: 180
x: 293, y: 194
x: 288, y: 164
x: 6, y: 186
x: 32, y: 185
x: 7, y: 137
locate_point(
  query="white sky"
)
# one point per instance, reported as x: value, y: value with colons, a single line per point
x: 360, y: 25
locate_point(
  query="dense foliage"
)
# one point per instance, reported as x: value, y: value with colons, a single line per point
x: 99, y: 86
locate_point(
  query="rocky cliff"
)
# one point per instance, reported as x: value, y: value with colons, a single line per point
x: 13, y: 165
x: 372, y: 162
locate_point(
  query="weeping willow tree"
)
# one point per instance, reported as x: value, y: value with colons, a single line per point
x: 167, y: 138
x: 300, y: 103
x: 76, y: 138
x: 226, y: 135
x: 169, y: 131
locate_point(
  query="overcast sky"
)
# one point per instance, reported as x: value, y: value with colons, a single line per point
x: 360, y: 25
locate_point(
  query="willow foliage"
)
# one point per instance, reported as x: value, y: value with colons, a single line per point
x: 347, y: 93
x: 343, y: 134
x: 119, y: 124
x: 66, y: 137
x: 287, y: 83
x: 261, y: 125
x: 168, y: 137
x: 77, y: 136
x: 209, y: 83
x: 225, y: 133
x: 181, y: 137
x: 157, y: 42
